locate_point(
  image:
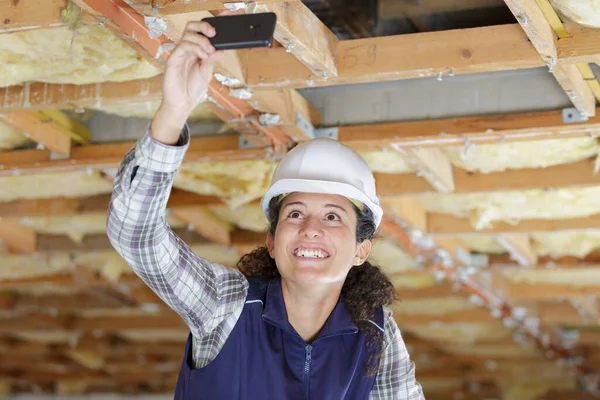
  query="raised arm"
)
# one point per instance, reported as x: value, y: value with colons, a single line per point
x: 205, y: 294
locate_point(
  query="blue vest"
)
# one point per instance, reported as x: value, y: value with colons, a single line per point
x: 264, y: 358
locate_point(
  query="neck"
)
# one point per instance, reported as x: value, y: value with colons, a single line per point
x: 308, y: 308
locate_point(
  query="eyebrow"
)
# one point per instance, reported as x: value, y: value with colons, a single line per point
x: 299, y: 203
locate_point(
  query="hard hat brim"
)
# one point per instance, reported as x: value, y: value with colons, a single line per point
x: 325, y: 187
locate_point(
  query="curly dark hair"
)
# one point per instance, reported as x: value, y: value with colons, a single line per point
x: 365, y: 289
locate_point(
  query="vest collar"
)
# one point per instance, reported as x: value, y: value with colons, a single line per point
x: 339, y: 322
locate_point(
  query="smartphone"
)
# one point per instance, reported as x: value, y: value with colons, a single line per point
x: 243, y: 31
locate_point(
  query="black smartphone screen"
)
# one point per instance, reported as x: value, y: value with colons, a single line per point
x: 243, y: 31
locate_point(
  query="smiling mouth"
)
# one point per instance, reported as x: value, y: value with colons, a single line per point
x: 310, y: 253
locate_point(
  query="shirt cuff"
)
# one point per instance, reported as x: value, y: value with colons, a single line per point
x: 160, y: 157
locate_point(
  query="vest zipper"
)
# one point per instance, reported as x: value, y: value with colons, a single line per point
x: 307, y: 360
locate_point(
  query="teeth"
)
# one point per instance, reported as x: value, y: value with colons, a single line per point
x: 310, y: 253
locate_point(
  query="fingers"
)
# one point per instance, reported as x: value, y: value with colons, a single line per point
x: 202, y: 27
x: 185, y: 49
x: 202, y: 41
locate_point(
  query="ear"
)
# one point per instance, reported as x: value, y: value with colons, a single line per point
x: 270, y: 244
x: 362, y: 252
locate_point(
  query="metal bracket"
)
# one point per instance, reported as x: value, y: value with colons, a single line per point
x: 572, y: 115
x: 331, y: 133
x: 244, y: 143
x: 305, y: 125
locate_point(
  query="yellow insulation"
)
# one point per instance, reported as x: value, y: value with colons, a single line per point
x: 560, y: 276
x: 13, y: 266
x: 90, y: 54
x: 388, y: 162
x: 432, y: 306
x: 10, y: 137
x: 390, y: 258
x: 457, y: 333
x: 147, y: 109
x: 483, y: 209
x: 535, y: 154
x: 249, y: 217
x: 76, y: 226
x: 47, y: 185
x: 237, y: 182
x: 564, y: 243
x: 584, y: 12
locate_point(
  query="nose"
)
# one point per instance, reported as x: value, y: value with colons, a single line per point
x: 311, y: 228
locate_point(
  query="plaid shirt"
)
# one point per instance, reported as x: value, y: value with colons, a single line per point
x: 208, y: 296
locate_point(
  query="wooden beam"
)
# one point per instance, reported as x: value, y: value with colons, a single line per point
x: 207, y: 224
x: 426, y: 54
x: 445, y: 224
x: 431, y: 164
x: 537, y: 27
x: 157, y: 48
x: 107, y: 156
x: 581, y: 46
x: 518, y: 245
x: 577, y: 174
x: 16, y: 237
x: 304, y: 35
x: 391, y: 9
x: 39, y: 130
x: 168, y: 7
x: 495, y: 129
x: 44, y: 96
x: 408, y: 209
x: 292, y: 110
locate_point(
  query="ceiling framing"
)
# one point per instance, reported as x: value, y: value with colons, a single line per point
x: 495, y: 302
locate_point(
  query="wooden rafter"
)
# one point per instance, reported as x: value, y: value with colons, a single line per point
x: 305, y: 36
x: 445, y: 224
x: 544, y: 38
x: 426, y: 55
x: 157, y: 48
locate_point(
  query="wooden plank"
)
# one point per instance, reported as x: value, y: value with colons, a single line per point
x: 407, y: 208
x: 304, y: 35
x: 44, y: 96
x: 16, y: 237
x: 44, y: 132
x: 537, y: 27
x: 427, y: 54
x: 577, y: 174
x: 582, y: 45
x: 391, y: 9
x: 431, y: 164
x: 445, y: 224
x: 518, y: 245
x: 569, y: 77
x: 493, y: 129
x: 109, y: 156
x: 290, y: 106
x: 168, y: 7
x: 203, y: 221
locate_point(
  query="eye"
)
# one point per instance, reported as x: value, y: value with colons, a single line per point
x: 332, y: 217
x: 294, y: 214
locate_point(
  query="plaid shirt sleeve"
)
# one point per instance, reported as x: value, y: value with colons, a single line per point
x: 396, y: 377
x: 208, y: 296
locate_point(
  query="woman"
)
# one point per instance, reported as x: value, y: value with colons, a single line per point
x: 304, y: 317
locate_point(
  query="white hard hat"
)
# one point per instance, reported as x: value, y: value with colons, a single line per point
x: 325, y: 166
